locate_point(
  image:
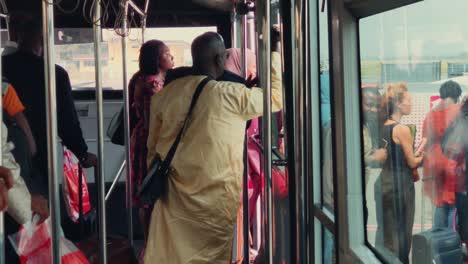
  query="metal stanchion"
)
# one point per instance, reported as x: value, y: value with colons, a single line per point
x: 2, y: 222
x: 143, y: 28
x: 51, y: 109
x: 245, y: 191
x: 100, y: 176
x: 265, y: 78
x: 127, y: 127
x: 297, y: 18
x: 233, y: 29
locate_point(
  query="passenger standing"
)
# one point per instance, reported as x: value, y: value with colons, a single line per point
x: 195, y: 221
x: 439, y: 171
x: 25, y: 70
x: 234, y: 62
x: 455, y: 146
x: 374, y: 154
x: 395, y: 180
x: 234, y: 65
x: 154, y: 60
x: 14, y: 23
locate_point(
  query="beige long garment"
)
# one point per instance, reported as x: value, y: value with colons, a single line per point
x: 195, y: 222
x: 19, y: 198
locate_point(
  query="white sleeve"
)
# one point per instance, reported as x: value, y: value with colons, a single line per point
x: 19, y: 198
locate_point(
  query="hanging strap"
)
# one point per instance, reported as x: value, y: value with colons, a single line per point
x: 173, y: 149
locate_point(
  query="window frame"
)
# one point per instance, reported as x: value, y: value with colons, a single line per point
x: 347, y: 137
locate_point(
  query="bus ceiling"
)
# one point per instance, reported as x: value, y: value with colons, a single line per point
x: 161, y: 13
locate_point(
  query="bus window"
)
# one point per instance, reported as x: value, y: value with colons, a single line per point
x: 413, y: 76
x: 75, y: 52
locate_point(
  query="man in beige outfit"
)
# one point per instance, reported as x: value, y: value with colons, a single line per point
x: 194, y: 223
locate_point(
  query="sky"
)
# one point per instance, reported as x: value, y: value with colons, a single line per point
x: 427, y: 30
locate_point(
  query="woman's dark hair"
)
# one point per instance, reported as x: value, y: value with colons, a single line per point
x: 450, y: 89
x: 464, y: 109
x: 150, y: 53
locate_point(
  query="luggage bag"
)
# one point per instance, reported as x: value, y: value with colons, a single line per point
x: 439, y: 246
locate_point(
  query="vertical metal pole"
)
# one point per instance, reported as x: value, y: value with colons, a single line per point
x: 299, y: 150
x: 51, y: 108
x: 127, y: 128
x: 245, y: 191
x: 265, y: 78
x: 100, y: 177
x: 233, y: 29
x: 2, y: 222
x: 143, y: 28
x: 244, y: 45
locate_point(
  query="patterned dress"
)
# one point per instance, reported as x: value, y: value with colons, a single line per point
x: 141, y: 89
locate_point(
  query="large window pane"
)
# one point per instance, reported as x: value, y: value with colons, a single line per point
x: 413, y: 75
x: 75, y: 52
x: 328, y: 243
x: 325, y: 113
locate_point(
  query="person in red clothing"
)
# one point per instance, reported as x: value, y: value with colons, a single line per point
x: 440, y: 173
x: 154, y: 61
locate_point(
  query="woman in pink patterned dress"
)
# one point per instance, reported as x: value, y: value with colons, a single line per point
x: 154, y: 61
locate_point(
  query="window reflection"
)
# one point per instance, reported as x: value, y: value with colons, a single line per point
x: 326, y: 132
x: 329, y: 251
x: 413, y: 78
x: 325, y: 115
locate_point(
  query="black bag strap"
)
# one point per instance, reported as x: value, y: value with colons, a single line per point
x: 170, y: 155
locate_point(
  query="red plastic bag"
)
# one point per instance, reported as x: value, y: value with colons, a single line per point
x: 70, y: 186
x: 32, y: 243
x: 280, y: 182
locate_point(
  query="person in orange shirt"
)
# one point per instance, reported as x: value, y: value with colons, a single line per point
x: 14, y: 108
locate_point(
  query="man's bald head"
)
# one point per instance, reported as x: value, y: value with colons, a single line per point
x: 209, y: 53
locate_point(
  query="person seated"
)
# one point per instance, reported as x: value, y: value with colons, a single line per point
x: 15, y: 110
x: 21, y: 204
x: 6, y: 182
x: 20, y: 134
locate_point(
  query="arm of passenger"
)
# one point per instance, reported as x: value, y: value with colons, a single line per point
x: 403, y: 134
x: 249, y: 102
x: 68, y: 124
x: 367, y: 146
x: 19, y: 198
x: 11, y: 102
x: 153, y: 132
x: 24, y: 125
x: 427, y: 131
x: 276, y: 82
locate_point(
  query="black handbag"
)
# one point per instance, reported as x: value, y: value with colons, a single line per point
x: 154, y: 185
x: 115, y: 130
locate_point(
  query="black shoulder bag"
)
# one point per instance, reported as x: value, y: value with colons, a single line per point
x: 115, y: 130
x: 154, y: 186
